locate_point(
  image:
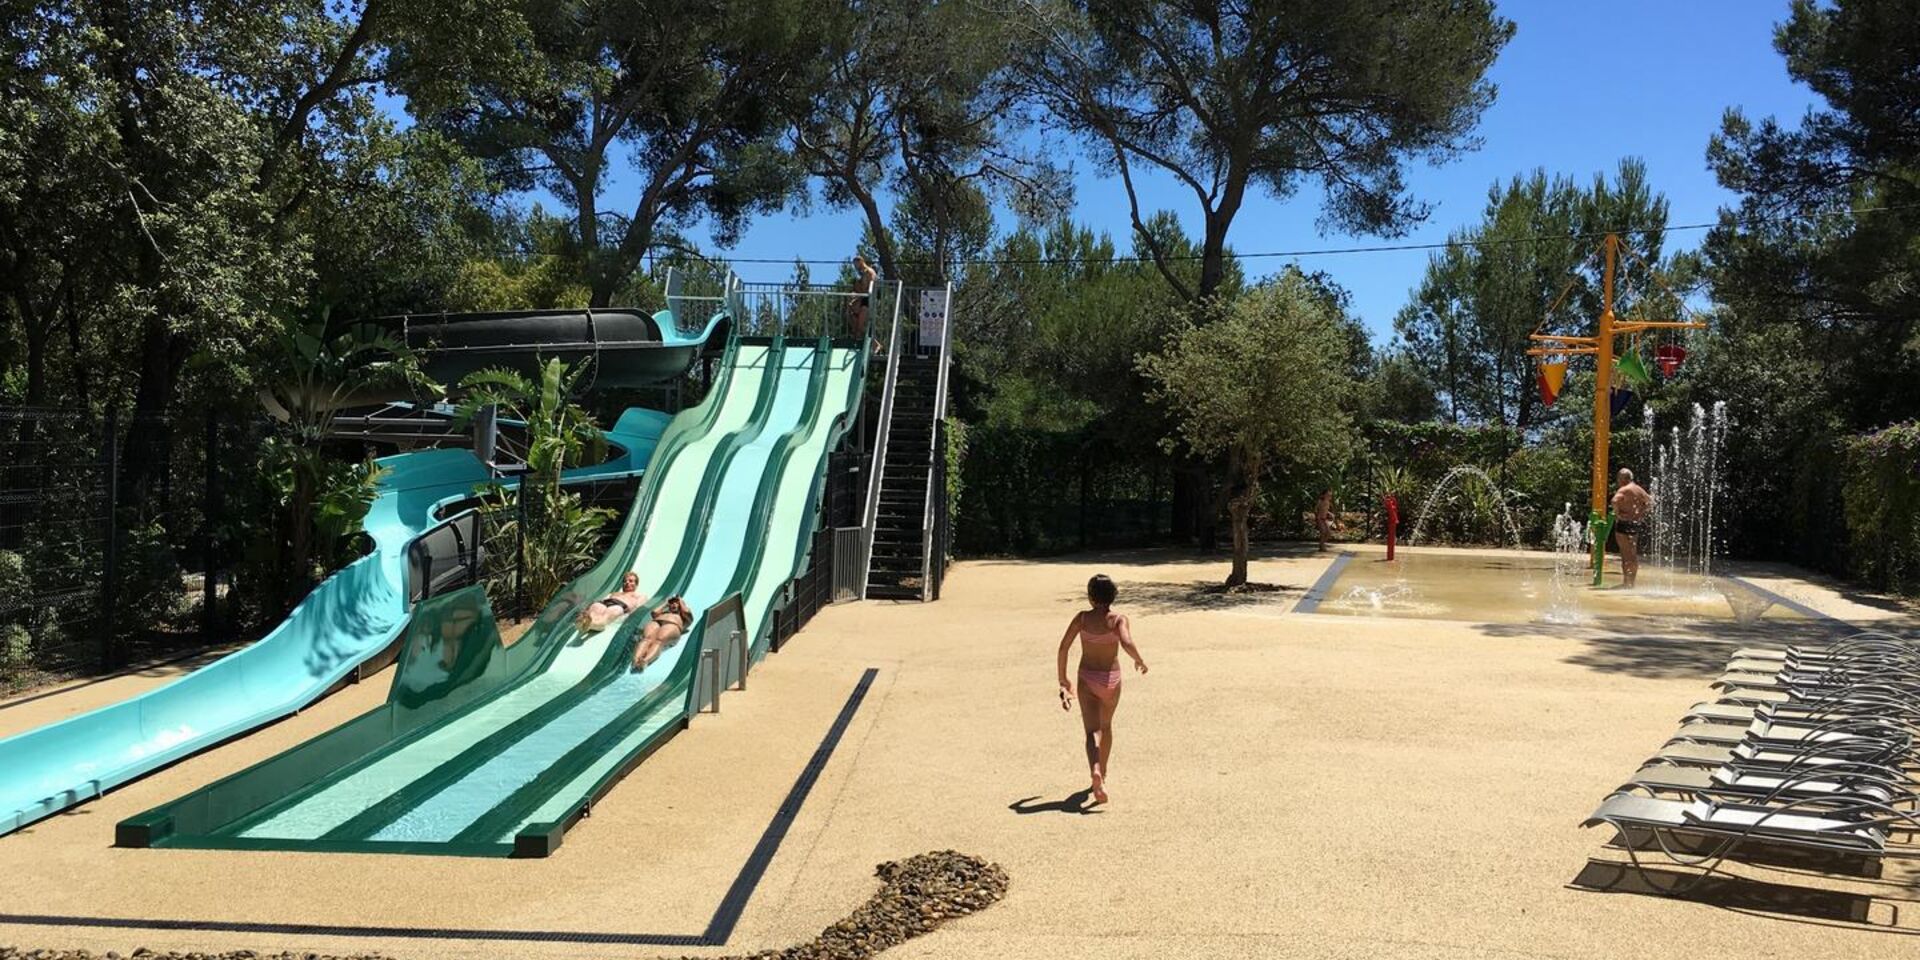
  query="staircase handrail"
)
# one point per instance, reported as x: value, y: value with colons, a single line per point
x: 933, y: 435
x: 871, y: 516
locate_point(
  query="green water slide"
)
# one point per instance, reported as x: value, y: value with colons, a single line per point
x: 484, y: 749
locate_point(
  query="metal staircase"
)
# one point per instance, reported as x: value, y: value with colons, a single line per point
x: 906, y: 490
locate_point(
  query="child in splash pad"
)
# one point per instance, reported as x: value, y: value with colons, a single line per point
x: 1103, y: 634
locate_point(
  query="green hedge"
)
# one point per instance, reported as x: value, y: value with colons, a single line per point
x: 1032, y: 491
x: 1881, y: 492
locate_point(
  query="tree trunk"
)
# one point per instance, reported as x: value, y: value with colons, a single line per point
x: 300, y: 539
x: 162, y: 353
x: 876, y: 225
x: 1213, y: 255
x: 605, y: 272
x: 1239, y: 510
x: 36, y: 351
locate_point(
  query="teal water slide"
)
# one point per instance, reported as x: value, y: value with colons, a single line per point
x: 487, y: 749
x: 351, y: 618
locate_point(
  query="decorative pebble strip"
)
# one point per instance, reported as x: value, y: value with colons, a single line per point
x: 916, y: 896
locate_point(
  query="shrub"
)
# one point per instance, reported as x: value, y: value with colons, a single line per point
x: 1881, y: 493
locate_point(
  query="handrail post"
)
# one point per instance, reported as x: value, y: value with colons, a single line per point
x: 934, y: 451
x: 871, y: 512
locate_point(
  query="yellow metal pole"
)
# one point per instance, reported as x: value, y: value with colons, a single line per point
x: 1598, y: 522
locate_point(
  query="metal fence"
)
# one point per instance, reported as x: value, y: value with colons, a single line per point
x: 106, y: 553
x: 841, y: 501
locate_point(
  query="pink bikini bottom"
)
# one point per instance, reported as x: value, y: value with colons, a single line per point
x: 1101, y: 683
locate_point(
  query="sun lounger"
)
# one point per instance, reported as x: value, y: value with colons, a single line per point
x: 1728, y: 826
x: 1731, y: 782
x: 1763, y: 732
x: 1867, y: 758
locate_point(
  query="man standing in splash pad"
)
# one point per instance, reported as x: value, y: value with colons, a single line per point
x: 1632, y: 505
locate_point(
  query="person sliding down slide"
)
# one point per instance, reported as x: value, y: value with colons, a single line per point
x: 670, y: 620
x: 614, y: 606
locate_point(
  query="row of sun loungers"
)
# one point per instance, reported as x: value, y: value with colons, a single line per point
x: 1808, y: 752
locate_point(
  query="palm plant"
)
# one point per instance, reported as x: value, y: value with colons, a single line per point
x: 553, y: 534
x: 317, y: 369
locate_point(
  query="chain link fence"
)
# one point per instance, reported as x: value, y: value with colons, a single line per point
x: 105, y: 544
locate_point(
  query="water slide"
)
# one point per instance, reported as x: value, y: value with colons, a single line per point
x: 350, y: 619
x: 489, y: 749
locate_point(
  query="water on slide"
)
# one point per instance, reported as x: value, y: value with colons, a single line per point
x: 334, y: 802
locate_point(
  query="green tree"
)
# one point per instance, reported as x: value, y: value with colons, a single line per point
x: 1532, y: 263
x: 1825, y: 239
x: 918, y: 102
x: 170, y: 169
x: 1396, y: 387
x: 1262, y: 96
x: 1262, y: 385
x: 1815, y: 274
x: 689, y: 95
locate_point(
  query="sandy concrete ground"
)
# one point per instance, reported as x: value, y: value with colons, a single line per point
x: 1283, y: 785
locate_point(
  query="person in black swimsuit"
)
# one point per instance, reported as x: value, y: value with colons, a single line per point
x: 857, y: 309
x: 1632, y: 510
x: 613, y: 606
x: 670, y: 621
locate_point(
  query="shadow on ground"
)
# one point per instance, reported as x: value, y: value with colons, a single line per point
x: 1171, y: 597
x: 1746, y: 895
x: 1669, y: 648
x: 1075, y: 802
x: 173, y: 666
x: 1141, y: 556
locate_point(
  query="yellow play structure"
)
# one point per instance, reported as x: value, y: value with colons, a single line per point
x: 1600, y: 346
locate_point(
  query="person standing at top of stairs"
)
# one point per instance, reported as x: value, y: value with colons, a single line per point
x: 862, y: 302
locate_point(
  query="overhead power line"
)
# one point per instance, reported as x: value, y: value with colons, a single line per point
x: 1338, y: 251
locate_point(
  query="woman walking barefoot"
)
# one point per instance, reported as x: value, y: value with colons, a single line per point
x: 1102, y: 634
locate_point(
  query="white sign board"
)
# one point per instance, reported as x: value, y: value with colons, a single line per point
x: 933, y: 317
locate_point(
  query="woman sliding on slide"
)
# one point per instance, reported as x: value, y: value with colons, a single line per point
x: 670, y: 620
x: 1102, y: 634
x: 616, y: 605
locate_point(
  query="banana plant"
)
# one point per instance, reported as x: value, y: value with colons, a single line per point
x: 560, y: 532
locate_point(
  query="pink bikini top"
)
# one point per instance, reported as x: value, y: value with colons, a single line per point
x: 1111, y: 635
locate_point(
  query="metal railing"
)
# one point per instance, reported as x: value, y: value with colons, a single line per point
x: 733, y: 652
x: 680, y: 304
x: 934, y: 453
x: 445, y: 557
x: 943, y: 522
x: 870, y: 520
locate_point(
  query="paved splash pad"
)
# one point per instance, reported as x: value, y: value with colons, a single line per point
x: 1530, y: 587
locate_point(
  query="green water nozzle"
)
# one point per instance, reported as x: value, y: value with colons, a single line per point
x: 1599, y: 528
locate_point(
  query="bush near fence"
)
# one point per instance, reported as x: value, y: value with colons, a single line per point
x: 1881, y: 493
x: 1032, y: 491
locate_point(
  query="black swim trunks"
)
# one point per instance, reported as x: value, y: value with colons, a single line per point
x: 1635, y: 530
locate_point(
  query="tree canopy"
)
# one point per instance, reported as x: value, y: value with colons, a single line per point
x: 1265, y: 95
x: 1264, y: 385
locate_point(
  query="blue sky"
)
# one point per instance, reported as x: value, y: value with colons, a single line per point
x: 1581, y: 85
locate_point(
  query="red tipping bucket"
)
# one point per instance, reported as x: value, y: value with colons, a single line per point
x: 1668, y: 358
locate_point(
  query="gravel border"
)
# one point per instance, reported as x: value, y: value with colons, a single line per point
x: 916, y: 896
